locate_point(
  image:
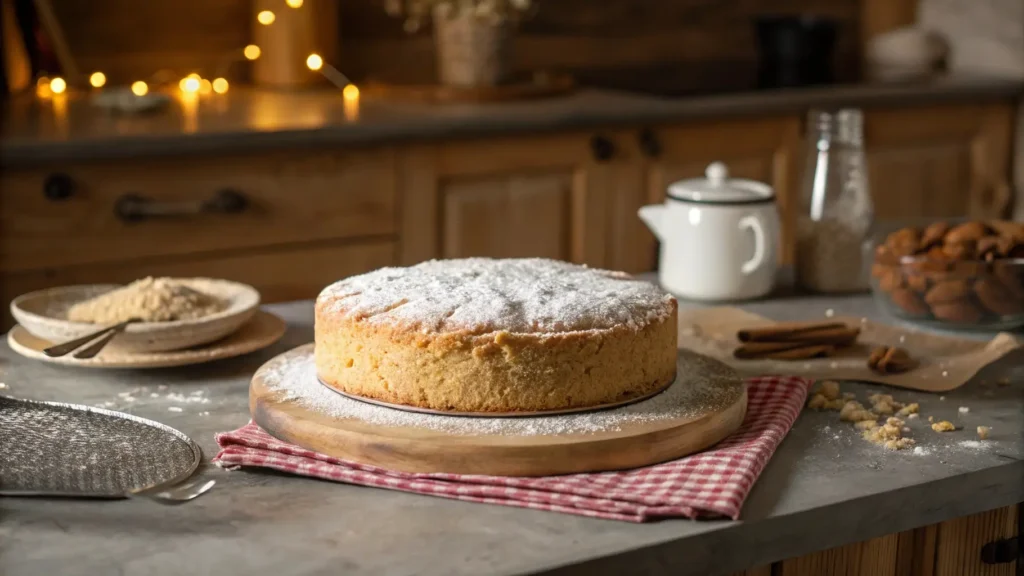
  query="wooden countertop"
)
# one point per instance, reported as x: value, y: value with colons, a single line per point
x: 248, y: 119
x: 260, y: 523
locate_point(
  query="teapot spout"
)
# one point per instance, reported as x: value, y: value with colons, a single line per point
x: 652, y: 215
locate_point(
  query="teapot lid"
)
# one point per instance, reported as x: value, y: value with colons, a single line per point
x: 717, y: 188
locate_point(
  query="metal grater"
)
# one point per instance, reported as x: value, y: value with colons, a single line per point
x: 57, y: 449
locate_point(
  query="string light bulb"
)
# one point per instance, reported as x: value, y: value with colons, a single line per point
x: 266, y: 17
x: 205, y: 87
x: 43, y: 87
x: 314, y: 62
x: 294, y: 3
x: 97, y: 79
x: 58, y: 85
x: 220, y: 85
x: 139, y: 88
x: 252, y: 52
x: 350, y: 92
x: 189, y: 84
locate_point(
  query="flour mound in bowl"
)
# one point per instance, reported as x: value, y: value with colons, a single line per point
x: 149, y: 299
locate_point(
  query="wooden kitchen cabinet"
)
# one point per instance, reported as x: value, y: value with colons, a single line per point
x: 285, y: 198
x: 542, y: 196
x: 952, y: 548
x: 940, y: 161
x: 763, y: 149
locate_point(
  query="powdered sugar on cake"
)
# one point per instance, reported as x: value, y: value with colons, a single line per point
x: 703, y: 386
x: 483, y: 295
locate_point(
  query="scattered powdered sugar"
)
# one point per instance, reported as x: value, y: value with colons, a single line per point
x: 921, y: 451
x: 703, y: 386
x: 142, y: 393
x: 484, y: 295
x: 974, y: 444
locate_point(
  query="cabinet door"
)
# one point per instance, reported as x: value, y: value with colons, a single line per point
x: 941, y: 161
x: 530, y: 197
x: 761, y: 149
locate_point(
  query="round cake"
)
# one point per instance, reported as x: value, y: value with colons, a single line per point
x: 496, y: 335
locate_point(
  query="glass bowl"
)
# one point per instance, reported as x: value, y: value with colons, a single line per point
x: 958, y: 294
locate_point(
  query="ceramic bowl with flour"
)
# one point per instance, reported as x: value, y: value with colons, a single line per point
x: 44, y: 314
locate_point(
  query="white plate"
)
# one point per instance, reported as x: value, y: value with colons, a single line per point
x: 44, y: 314
x: 263, y: 330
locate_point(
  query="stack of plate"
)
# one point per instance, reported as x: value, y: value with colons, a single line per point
x: 238, y: 329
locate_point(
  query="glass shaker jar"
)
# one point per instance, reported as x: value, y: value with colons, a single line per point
x: 836, y: 212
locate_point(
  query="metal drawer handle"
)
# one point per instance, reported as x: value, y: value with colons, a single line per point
x: 135, y: 208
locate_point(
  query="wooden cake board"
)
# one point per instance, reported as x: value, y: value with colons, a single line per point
x: 284, y: 415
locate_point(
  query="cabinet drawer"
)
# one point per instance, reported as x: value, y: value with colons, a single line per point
x: 279, y: 274
x: 67, y: 215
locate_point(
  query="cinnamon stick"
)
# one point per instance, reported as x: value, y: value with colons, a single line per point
x: 760, y: 349
x: 801, y: 353
x: 785, y: 331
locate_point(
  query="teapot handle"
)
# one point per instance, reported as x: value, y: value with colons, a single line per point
x: 754, y: 223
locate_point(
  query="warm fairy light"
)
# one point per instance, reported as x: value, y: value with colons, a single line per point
x: 139, y: 88
x: 314, y: 62
x: 220, y: 85
x: 266, y: 17
x: 294, y: 3
x: 205, y: 87
x: 58, y: 85
x: 189, y: 84
x: 252, y: 51
x: 351, y: 92
x: 43, y: 87
x: 97, y: 79
x: 194, y: 76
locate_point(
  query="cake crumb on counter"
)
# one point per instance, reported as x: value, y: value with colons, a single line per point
x: 913, y: 415
x: 889, y: 435
x: 983, y: 432
x: 854, y: 411
x: 964, y: 410
x: 944, y: 426
x: 865, y: 424
x: 826, y: 397
x: 907, y: 410
x: 829, y: 389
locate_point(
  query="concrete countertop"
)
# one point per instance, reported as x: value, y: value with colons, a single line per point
x: 263, y: 523
x: 32, y: 132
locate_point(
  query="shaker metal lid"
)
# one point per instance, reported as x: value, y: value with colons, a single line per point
x: 718, y: 189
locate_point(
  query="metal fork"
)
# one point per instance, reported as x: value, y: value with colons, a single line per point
x: 104, y: 335
x: 176, y: 494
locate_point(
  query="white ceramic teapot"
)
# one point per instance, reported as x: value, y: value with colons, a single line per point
x: 719, y: 237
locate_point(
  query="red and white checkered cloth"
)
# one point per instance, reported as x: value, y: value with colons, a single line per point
x: 708, y: 484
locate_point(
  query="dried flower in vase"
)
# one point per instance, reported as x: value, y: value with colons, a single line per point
x: 416, y: 12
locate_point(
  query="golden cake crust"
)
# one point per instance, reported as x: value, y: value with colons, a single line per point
x: 446, y: 350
